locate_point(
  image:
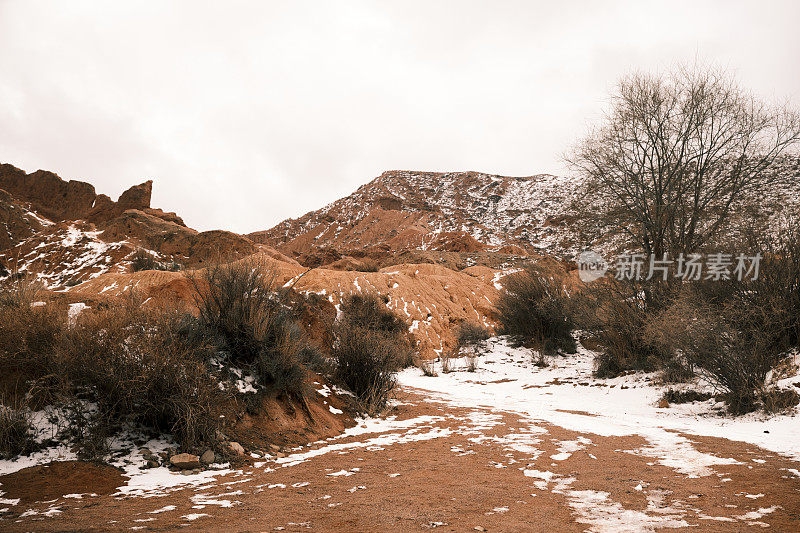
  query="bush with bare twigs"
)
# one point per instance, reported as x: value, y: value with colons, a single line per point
x: 16, y: 431
x: 736, y: 332
x: 114, y: 368
x: 471, y: 335
x: 371, y: 345
x: 145, y: 260
x: 242, y: 308
x: 535, y: 308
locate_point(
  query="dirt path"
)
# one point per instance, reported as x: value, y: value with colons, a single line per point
x: 436, y: 465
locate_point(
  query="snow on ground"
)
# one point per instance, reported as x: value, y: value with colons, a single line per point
x: 563, y: 394
x: 567, y: 395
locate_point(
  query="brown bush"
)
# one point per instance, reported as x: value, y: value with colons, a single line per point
x: 736, y: 331
x: 713, y: 337
x: 145, y: 260
x: 16, y: 433
x: 536, y: 308
x: 686, y: 396
x: 18, y: 291
x: 371, y: 345
x: 115, y: 367
x: 617, y: 314
x: 252, y: 323
x: 366, y: 362
x: 145, y: 369
x: 471, y: 334
x: 367, y: 264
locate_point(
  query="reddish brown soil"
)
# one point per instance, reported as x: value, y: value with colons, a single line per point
x: 54, y: 480
x: 466, y: 478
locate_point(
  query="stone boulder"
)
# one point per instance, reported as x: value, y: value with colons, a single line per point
x: 185, y: 461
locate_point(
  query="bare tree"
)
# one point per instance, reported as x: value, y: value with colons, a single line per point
x: 676, y: 153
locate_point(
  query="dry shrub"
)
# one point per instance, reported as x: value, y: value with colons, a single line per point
x: 735, y: 332
x: 16, y: 432
x: 714, y: 337
x: 470, y: 335
x: 367, y: 264
x: 163, y: 371
x: 253, y: 325
x: 447, y: 365
x: 30, y: 337
x: 365, y: 364
x: 621, y: 334
x: 686, y: 396
x: 777, y: 400
x: 371, y: 345
x: 145, y: 369
x: 145, y: 260
x: 369, y: 311
x: 536, y: 308
x: 428, y: 368
x: 115, y: 367
x: 18, y: 291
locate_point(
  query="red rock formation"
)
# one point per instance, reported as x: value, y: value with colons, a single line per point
x: 48, y: 193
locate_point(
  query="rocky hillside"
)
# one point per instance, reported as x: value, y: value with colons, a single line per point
x: 81, y: 246
x: 435, y: 245
x: 64, y: 233
x: 464, y: 212
x: 485, y: 219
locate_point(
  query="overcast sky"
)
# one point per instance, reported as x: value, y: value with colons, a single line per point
x: 246, y: 113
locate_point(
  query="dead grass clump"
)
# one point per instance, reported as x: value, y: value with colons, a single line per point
x: 18, y: 291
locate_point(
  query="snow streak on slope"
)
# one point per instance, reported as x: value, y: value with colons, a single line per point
x: 494, y: 210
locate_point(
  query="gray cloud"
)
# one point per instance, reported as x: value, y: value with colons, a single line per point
x: 246, y: 113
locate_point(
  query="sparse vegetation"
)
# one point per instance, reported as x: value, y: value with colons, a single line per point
x: 367, y: 264
x: 16, y: 436
x: 146, y: 369
x: 145, y: 260
x: 617, y: 313
x: 470, y: 335
x: 447, y: 364
x: 428, y: 368
x: 117, y: 367
x: 535, y: 308
x: 371, y: 345
x: 121, y: 366
x: 254, y: 327
x: 686, y: 396
x: 472, y: 363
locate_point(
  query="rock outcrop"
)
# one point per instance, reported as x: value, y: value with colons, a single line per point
x: 64, y: 233
x: 49, y: 195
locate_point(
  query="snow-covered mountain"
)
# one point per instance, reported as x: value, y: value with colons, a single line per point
x: 454, y: 211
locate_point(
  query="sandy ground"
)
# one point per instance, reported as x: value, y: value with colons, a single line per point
x: 434, y: 464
